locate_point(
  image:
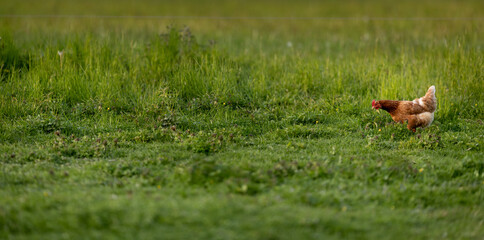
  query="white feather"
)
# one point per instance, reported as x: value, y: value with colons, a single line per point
x: 427, y: 117
x: 420, y: 102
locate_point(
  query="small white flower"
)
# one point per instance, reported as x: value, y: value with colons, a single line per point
x: 61, y: 57
x: 289, y: 44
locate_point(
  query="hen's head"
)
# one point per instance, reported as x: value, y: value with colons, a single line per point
x: 375, y: 105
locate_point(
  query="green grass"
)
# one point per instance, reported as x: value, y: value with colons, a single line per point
x: 239, y: 128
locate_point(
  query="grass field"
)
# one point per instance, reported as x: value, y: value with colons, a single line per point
x: 251, y: 121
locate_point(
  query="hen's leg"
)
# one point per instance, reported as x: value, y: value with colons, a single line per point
x: 412, y: 123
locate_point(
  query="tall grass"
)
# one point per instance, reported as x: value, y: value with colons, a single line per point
x: 133, y: 72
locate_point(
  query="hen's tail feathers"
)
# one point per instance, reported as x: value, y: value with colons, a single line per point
x: 431, y: 92
x: 429, y: 100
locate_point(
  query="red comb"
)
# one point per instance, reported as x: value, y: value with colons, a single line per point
x: 373, y: 103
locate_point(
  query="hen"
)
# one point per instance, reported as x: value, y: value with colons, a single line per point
x: 417, y: 113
